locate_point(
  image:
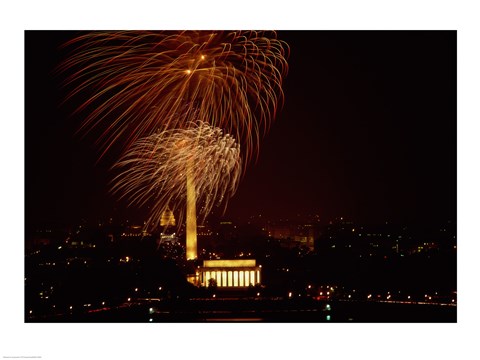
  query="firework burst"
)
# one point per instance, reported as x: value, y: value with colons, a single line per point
x: 144, y: 81
x: 163, y: 169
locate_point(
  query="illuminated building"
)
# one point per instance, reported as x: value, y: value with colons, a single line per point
x: 167, y: 218
x: 191, y: 238
x: 230, y: 273
x: 168, y: 239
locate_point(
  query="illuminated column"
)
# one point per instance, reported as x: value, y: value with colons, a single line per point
x: 240, y: 278
x: 224, y: 278
x: 230, y: 278
x: 235, y: 278
x: 207, y: 277
x: 219, y: 278
x: 247, y: 278
x: 191, y: 217
x: 258, y: 276
x: 252, y: 278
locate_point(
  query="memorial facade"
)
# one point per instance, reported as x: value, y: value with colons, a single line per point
x: 230, y: 273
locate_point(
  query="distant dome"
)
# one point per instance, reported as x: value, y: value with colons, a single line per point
x: 167, y: 218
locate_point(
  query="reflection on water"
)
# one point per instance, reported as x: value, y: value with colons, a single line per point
x: 266, y: 310
x: 364, y: 312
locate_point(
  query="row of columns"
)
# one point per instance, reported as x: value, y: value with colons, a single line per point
x: 231, y: 278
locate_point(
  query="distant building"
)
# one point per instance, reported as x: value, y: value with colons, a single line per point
x: 204, y: 231
x: 132, y: 231
x: 281, y: 231
x: 291, y: 235
x: 229, y: 273
x: 167, y: 236
x: 167, y: 218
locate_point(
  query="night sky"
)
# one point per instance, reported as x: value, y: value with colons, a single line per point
x: 367, y: 132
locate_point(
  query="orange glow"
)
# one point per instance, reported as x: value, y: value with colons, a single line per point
x: 235, y: 82
x: 205, y: 169
x: 191, y: 215
x: 230, y: 263
x: 222, y: 87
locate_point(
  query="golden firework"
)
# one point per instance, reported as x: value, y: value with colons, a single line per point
x: 170, y: 169
x: 138, y: 82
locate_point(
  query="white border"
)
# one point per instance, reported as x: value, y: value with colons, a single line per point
x: 132, y: 341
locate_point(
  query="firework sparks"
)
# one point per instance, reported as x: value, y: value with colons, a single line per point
x: 164, y: 168
x: 144, y: 81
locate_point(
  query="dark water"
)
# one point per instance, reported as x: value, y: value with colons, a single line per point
x: 283, y: 311
x: 392, y: 312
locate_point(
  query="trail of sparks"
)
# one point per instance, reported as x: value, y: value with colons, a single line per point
x: 155, y: 171
x: 141, y: 82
